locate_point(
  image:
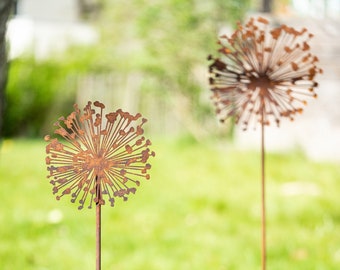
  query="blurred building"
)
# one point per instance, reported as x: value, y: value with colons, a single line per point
x: 45, y: 27
x: 317, y: 8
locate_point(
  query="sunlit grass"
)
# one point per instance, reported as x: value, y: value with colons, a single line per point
x: 200, y: 210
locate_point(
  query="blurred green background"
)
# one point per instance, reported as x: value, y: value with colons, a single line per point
x: 201, y: 208
x: 149, y: 57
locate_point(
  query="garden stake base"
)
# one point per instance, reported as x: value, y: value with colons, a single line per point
x: 98, y: 226
x: 263, y: 201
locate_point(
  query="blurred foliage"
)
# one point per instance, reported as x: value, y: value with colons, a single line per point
x: 165, y: 41
x: 35, y: 90
x: 168, y: 41
x: 30, y: 92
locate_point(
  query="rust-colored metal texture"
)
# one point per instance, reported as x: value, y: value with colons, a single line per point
x: 100, y: 157
x: 263, y: 74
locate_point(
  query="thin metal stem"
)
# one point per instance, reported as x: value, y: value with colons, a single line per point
x: 263, y: 198
x: 98, y: 226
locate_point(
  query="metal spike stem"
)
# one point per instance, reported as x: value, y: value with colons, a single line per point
x: 98, y: 227
x: 263, y: 197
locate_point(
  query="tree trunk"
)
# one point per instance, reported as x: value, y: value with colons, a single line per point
x: 5, y: 8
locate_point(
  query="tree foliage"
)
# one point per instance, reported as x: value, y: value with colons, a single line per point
x: 165, y: 42
x: 165, y: 38
x: 38, y: 89
x: 168, y: 40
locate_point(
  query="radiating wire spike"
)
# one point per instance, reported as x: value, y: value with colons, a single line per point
x: 258, y: 59
x: 91, y: 165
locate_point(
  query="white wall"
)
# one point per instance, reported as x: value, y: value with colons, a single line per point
x: 63, y: 10
x: 46, y: 27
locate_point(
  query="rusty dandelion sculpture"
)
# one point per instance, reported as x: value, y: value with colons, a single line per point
x: 261, y: 76
x: 102, y: 157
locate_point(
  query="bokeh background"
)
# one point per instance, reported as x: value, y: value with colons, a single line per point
x: 201, y: 208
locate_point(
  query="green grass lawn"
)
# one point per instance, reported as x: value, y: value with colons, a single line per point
x: 200, y: 210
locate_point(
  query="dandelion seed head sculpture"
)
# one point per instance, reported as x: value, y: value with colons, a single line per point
x: 101, y: 156
x: 263, y: 74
